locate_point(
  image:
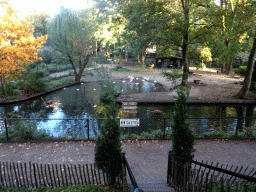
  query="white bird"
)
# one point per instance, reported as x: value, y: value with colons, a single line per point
x: 64, y: 88
x: 94, y: 106
x: 154, y: 81
x: 137, y: 83
x: 137, y: 78
x: 114, y: 82
x: 94, y: 89
x: 123, y: 81
x: 77, y: 89
x: 82, y: 83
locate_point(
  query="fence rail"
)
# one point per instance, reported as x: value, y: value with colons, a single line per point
x: 88, y: 127
x: 131, y: 176
x: 33, y: 175
x: 190, y: 175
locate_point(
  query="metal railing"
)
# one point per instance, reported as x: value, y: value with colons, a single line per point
x: 189, y: 175
x: 131, y: 176
x: 86, y: 127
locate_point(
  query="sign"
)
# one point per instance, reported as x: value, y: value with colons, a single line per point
x: 130, y: 111
x: 129, y: 107
x: 129, y: 122
x: 129, y: 103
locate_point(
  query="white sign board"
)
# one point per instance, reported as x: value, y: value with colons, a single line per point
x: 129, y: 122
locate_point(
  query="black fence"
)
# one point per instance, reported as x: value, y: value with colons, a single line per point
x: 134, y: 184
x: 189, y: 175
x: 88, y: 128
x: 33, y: 175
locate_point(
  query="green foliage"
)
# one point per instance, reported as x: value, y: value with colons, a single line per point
x: 10, y: 92
x: 12, y: 97
x: 183, y: 138
x: 69, y: 188
x: 32, y: 82
x: 61, y: 82
x: 23, y: 129
x: 241, y: 70
x: 108, y: 145
x: 46, y: 53
x: 173, y: 76
x: 121, y: 69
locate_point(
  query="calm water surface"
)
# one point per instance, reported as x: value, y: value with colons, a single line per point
x: 81, y: 101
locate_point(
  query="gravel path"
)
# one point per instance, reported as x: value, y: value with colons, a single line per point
x: 147, y: 159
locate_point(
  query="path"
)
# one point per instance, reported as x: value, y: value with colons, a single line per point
x: 148, y: 160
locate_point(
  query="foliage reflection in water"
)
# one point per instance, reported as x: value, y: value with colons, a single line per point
x: 81, y: 101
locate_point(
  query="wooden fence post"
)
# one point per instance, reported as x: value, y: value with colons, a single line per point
x: 6, y: 130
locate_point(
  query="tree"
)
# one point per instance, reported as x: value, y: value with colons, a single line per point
x: 18, y: 46
x: 72, y: 36
x: 179, y: 23
x: 249, y: 70
x: 234, y: 19
x: 108, y: 145
x: 40, y: 21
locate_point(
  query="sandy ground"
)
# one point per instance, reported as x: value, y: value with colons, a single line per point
x: 213, y: 86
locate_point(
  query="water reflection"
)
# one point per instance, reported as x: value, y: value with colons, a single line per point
x: 81, y: 101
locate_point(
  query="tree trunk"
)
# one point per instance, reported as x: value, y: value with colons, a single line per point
x: 3, y: 84
x: 185, y: 46
x: 248, y: 76
x: 229, y: 66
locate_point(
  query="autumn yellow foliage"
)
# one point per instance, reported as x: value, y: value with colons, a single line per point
x: 18, y: 46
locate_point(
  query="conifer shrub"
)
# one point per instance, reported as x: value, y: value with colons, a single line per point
x: 108, y: 146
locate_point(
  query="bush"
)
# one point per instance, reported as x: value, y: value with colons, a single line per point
x: 32, y: 82
x: 121, y: 69
x: 241, y: 70
x: 108, y: 145
x: 46, y: 53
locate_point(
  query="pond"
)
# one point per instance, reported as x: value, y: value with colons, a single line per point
x: 73, y: 104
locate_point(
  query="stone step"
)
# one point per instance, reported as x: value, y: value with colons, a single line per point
x: 154, y: 186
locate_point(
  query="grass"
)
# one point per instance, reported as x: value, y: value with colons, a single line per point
x: 121, y: 69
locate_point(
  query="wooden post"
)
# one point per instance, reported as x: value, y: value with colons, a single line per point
x: 58, y: 178
x: 30, y: 173
x: 84, y: 175
x: 1, y: 177
x: 72, y: 174
x: 6, y: 130
x: 79, y: 166
x: 65, y: 172
x: 42, y: 174
x: 19, y: 174
x: 46, y: 178
x: 35, y: 174
x: 69, y: 174
x: 9, y: 179
x: 53, y: 175
x: 49, y: 171
x: 99, y: 175
x: 95, y: 173
x: 22, y: 173
x: 92, y: 174
x: 88, y: 130
x: 15, y: 173
x: 164, y: 128
x: 61, y: 175
x: 12, y: 178
x: 78, y: 180
x: 88, y: 174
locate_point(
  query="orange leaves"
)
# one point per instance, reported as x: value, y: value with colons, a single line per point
x: 18, y: 46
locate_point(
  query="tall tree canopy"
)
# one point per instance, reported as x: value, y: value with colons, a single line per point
x: 18, y: 46
x: 170, y: 23
x: 72, y: 36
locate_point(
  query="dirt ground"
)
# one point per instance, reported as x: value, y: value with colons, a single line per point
x: 213, y: 87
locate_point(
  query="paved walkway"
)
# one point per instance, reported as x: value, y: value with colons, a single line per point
x: 147, y: 159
